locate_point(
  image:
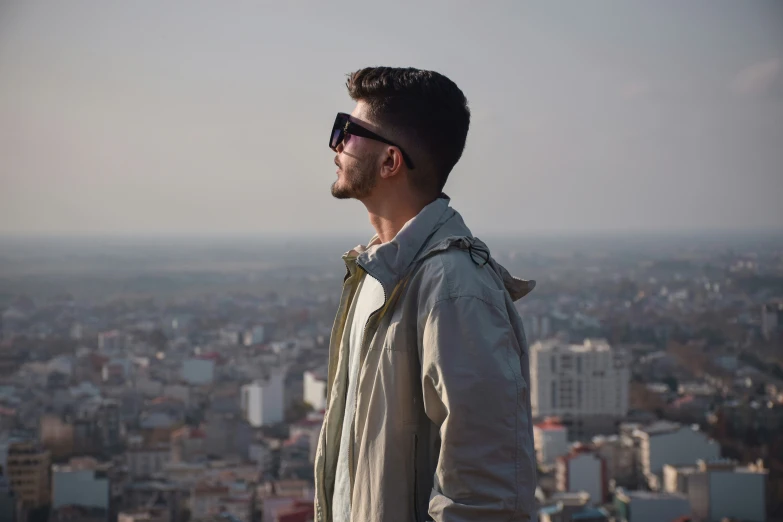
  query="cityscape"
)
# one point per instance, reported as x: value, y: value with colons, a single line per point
x: 173, y: 240
x: 185, y: 381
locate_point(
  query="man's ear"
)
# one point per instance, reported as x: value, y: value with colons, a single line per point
x: 391, y: 162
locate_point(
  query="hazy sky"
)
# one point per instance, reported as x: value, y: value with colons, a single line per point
x: 213, y: 117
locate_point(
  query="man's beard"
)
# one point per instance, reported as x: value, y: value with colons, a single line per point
x: 358, y: 180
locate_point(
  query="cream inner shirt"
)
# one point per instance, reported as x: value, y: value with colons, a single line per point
x: 370, y: 297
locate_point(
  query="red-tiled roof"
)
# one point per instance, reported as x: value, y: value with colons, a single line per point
x: 296, y: 514
x: 551, y: 423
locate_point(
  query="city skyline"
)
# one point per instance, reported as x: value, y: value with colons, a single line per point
x: 134, y: 120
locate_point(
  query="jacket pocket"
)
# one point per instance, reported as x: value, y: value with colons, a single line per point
x: 415, y: 478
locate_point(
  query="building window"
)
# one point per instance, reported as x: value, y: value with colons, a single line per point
x: 554, y: 364
x: 578, y: 364
x: 554, y: 394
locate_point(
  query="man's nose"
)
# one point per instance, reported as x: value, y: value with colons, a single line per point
x: 340, y: 147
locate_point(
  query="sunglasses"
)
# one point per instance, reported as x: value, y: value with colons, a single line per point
x: 344, y: 128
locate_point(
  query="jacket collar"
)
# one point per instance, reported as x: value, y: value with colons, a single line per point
x: 389, y: 261
x: 417, y: 240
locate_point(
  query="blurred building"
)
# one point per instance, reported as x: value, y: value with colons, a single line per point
x: 179, y: 392
x: 7, y: 498
x: 227, y: 434
x: 550, y: 440
x: 720, y: 490
x: 315, y: 388
x: 561, y: 513
x: 310, y: 427
x: 254, y: 336
x: 222, y: 500
x: 56, y: 435
x: 665, y: 442
x: 771, y: 320
x: 111, y: 342
x: 94, y: 428
x: 561, y: 507
x: 583, y: 470
x: 145, y: 515
x: 83, y: 482
x: 147, y: 460
x: 262, y: 401
x: 198, y: 372
x: 28, y: 472
x: 649, y: 506
x: 586, y: 386
x: 80, y: 513
x: 116, y: 371
x: 155, y: 497
x: 620, y: 455
x: 188, y: 444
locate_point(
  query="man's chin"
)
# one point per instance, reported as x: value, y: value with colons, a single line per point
x: 340, y: 192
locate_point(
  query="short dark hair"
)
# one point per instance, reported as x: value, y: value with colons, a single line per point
x: 425, y: 107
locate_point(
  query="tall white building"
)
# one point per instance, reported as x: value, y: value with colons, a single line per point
x: 262, y: 401
x: 315, y: 389
x: 578, y: 381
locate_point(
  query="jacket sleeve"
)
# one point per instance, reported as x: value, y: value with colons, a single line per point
x: 475, y: 392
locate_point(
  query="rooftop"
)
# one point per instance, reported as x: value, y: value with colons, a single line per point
x: 578, y: 450
x: 661, y: 427
x: 589, y: 345
x: 550, y: 423
x: 590, y: 513
x: 647, y: 495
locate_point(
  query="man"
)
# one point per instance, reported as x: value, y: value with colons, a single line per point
x: 428, y: 410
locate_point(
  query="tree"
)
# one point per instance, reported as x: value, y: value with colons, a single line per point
x: 297, y: 411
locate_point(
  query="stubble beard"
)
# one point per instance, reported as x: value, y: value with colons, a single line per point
x: 358, y: 180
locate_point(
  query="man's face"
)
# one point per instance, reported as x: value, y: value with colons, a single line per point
x: 357, y: 162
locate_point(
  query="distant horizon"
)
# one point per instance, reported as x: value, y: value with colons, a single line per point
x: 543, y: 234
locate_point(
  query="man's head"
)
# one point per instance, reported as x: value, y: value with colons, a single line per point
x: 409, y: 126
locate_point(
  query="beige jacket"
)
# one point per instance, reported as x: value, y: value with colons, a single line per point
x: 443, y: 427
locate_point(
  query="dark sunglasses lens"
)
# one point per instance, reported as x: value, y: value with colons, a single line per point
x: 337, y: 137
x: 337, y: 131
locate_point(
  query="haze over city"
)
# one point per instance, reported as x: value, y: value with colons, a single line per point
x: 196, y: 118
x: 178, y: 337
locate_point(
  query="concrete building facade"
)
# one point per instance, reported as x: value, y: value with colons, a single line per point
x: 713, y: 489
x: 649, y: 506
x: 585, y: 385
x: 670, y: 443
x: 262, y: 401
x: 550, y: 440
x: 29, y: 474
x: 583, y: 470
x: 82, y: 483
x: 315, y: 389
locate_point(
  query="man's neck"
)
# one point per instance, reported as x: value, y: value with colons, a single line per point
x: 388, y: 219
